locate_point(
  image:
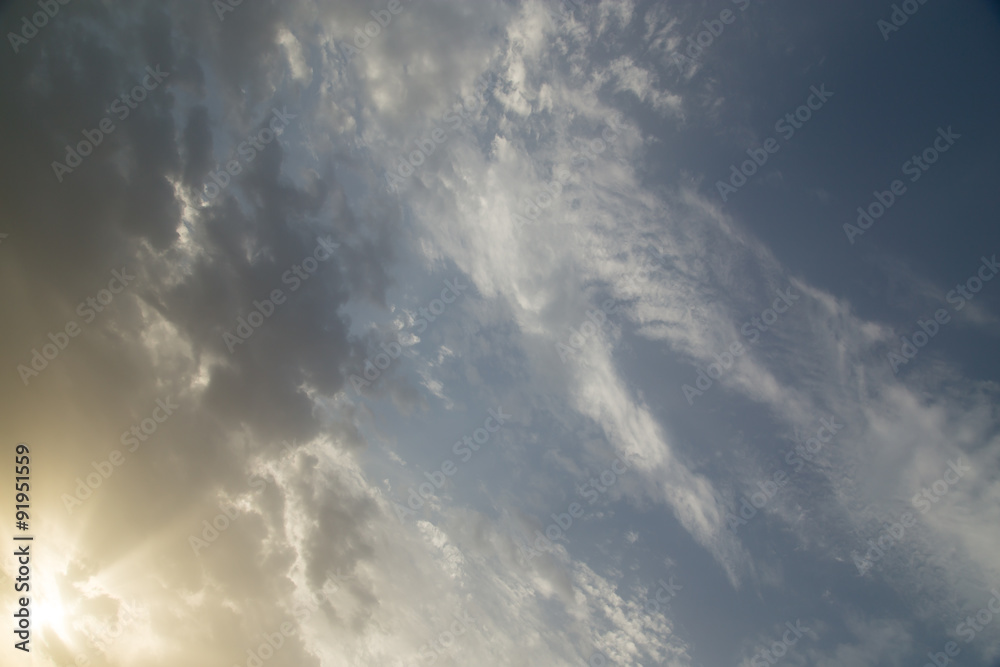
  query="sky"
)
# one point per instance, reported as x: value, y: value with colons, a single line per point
x: 400, y: 333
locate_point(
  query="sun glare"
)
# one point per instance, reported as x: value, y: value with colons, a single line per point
x: 51, y: 614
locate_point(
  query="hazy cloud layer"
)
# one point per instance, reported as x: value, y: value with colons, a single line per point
x: 266, y: 242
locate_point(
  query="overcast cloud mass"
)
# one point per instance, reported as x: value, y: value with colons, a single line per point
x: 400, y: 333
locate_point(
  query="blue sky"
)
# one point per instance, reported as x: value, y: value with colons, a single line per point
x: 551, y: 398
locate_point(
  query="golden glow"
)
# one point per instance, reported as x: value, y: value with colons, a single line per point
x: 51, y: 615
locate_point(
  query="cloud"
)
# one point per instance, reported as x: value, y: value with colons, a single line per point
x: 567, y: 122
